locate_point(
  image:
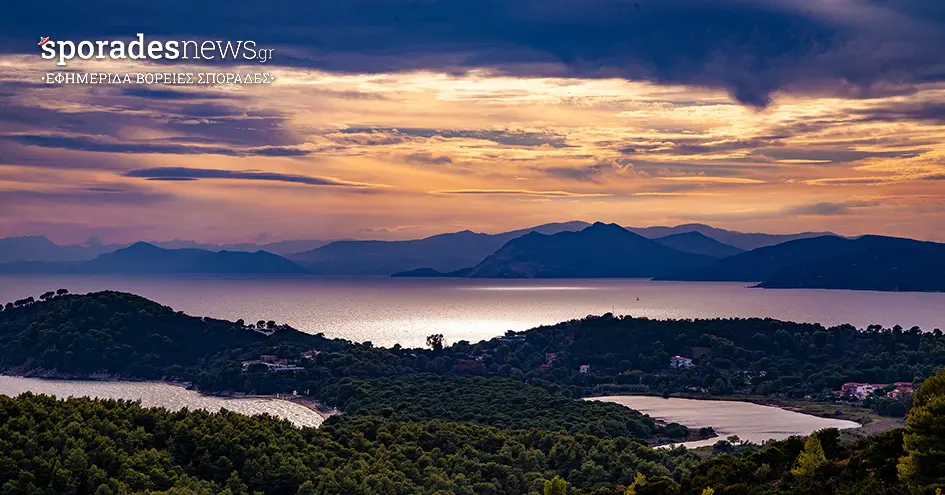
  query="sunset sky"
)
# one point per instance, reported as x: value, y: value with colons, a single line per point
x: 398, y: 119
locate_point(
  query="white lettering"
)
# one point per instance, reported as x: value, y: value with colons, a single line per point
x: 139, y: 44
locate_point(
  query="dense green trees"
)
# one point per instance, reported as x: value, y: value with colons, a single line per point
x: 867, y: 466
x: 811, y: 458
x: 556, y: 486
x: 923, y: 468
x: 488, y: 418
x: 499, y: 402
x: 127, y: 335
x: 760, y: 356
x: 85, y: 446
x: 435, y: 342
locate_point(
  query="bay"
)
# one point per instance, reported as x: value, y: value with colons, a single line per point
x: 750, y: 422
x: 387, y: 311
x: 158, y: 394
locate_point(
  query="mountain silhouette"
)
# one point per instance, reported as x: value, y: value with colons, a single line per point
x: 442, y: 253
x: 741, y: 240
x: 774, y: 263
x: 698, y: 243
x: 601, y: 250
x: 905, y: 267
x: 145, y: 258
x: 40, y: 248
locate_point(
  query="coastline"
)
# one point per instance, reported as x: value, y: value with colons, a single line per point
x: 315, y: 406
x: 319, y: 408
x: 870, y: 422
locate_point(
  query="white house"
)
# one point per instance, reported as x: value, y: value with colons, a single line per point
x: 585, y: 368
x: 680, y: 362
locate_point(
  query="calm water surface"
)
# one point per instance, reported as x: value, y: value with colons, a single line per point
x: 750, y: 422
x: 156, y: 394
x: 386, y: 311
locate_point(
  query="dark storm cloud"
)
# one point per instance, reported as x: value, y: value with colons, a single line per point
x: 122, y: 116
x: 187, y: 174
x: 748, y: 47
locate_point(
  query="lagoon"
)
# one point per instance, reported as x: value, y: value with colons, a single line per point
x: 751, y: 422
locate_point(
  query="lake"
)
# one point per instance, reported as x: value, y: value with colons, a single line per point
x: 386, y: 311
x: 751, y: 422
x: 157, y: 394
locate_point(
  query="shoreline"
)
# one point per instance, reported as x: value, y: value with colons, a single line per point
x: 323, y: 410
x: 870, y: 423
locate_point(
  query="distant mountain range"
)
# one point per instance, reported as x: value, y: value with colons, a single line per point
x: 144, y: 258
x: 741, y: 240
x: 40, y: 248
x: 442, y: 253
x: 698, y: 243
x: 691, y: 252
x: 281, y: 248
x: 900, y: 265
x: 600, y: 250
x: 866, y: 263
x: 759, y: 264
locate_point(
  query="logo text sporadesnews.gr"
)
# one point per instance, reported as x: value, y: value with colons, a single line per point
x: 140, y: 49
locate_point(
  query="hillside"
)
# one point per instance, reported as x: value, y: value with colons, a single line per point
x: 119, y: 447
x: 697, y: 243
x: 117, y: 334
x: 601, y: 250
x: 443, y: 252
x: 804, y: 256
x: 152, y: 450
x: 414, y: 423
x: 144, y: 258
x: 121, y: 334
x: 886, y: 269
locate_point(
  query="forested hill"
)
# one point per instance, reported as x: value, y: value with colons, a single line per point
x: 122, y: 334
x: 754, y: 355
x: 413, y: 423
x: 126, y: 335
x: 83, y: 446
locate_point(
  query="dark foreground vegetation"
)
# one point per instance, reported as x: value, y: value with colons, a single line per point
x: 493, y: 417
x: 108, y: 447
